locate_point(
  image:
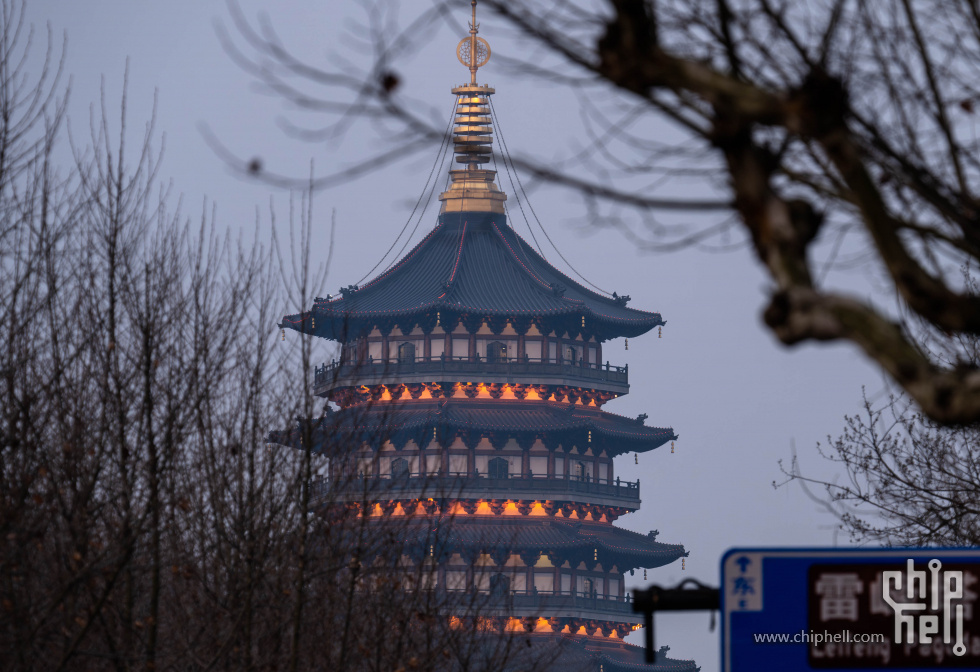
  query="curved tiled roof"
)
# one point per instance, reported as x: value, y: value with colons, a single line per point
x: 475, y: 264
x: 576, y: 653
x: 628, y: 658
x: 518, y: 534
x: 614, y: 433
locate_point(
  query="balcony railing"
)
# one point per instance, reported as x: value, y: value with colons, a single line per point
x: 475, y: 486
x: 462, y: 368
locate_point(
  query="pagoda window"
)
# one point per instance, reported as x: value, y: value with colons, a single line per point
x: 566, y: 582
x: 461, y: 348
x: 581, y: 471
x: 603, y: 472
x: 552, y: 351
x: 438, y: 347
x: 496, y: 352
x: 431, y: 463
x: 499, y: 585
x: 455, y: 580
x: 399, y: 468
x: 457, y: 465
x: 365, y: 466
x: 406, y: 353
x: 585, y: 586
x: 498, y: 467
x: 429, y: 577
x: 374, y: 351
x: 544, y: 582
x: 481, y: 579
x: 532, y: 349
x: 613, y: 587
x: 539, y: 465
x: 560, y: 466
x: 571, y: 355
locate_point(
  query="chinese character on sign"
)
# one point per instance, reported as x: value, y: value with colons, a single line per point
x: 743, y: 582
x: 876, y: 604
x: 838, y: 599
x: 743, y: 586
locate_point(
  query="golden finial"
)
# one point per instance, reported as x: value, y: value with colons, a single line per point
x: 472, y: 188
x: 473, y: 51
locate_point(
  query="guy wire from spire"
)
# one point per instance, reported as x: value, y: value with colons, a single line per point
x: 493, y: 156
x: 446, y: 157
x: 506, y: 156
x: 439, y: 160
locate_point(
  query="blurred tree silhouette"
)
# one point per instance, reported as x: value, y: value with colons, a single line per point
x: 145, y: 520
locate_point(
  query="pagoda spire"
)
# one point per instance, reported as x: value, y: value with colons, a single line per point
x: 479, y: 48
x: 472, y: 188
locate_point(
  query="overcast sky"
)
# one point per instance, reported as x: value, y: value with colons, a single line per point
x: 738, y: 399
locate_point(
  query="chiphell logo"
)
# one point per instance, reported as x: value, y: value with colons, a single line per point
x: 923, y: 591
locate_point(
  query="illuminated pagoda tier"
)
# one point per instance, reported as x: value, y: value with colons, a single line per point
x: 470, y: 387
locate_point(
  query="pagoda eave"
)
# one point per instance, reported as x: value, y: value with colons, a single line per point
x: 344, y: 323
x: 423, y: 422
x: 564, y: 540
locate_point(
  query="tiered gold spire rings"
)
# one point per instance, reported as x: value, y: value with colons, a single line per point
x: 473, y: 51
x: 473, y: 188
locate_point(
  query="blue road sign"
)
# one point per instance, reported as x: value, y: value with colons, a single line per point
x: 850, y: 609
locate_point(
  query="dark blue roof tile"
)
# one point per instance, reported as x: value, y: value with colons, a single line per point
x: 471, y: 263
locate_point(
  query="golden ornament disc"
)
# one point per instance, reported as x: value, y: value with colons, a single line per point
x: 482, y: 52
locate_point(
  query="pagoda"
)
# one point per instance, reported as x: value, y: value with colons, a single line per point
x: 471, y: 384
